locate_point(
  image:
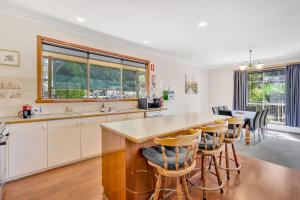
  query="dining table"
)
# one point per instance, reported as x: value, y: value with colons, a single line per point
x: 248, y: 116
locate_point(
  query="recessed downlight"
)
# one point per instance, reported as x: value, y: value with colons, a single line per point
x: 202, y: 24
x: 80, y: 19
x: 146, y: 42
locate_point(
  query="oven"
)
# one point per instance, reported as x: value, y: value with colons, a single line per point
x: 4, y: 134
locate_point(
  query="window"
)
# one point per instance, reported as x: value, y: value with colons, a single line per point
x: 64, y: 79
x: 266, y: 90
x: 133, y: 82
x: 73, y: 72
x: 105, y: 82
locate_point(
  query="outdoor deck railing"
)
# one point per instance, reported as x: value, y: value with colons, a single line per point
x: 277, y: 110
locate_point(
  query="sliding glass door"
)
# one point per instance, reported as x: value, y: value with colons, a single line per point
x: 266, y: 90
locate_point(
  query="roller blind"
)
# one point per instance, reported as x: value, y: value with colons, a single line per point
x: 54, y: 48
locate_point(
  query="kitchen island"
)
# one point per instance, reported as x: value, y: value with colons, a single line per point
x: 125, y: 173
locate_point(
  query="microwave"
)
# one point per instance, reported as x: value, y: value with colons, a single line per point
x: 149, y: 103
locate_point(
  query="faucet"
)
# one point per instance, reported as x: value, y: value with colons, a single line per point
x: 102, y: 108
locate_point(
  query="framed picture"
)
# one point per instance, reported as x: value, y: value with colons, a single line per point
x: 191, y: 84
x: 8, y: 57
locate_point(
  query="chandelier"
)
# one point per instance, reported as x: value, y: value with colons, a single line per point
x: 251, y: 63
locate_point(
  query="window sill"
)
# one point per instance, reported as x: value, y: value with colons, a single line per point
x: 82, y: 100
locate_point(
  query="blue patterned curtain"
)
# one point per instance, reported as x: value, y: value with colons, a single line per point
x: 292, y: 81
x: 240, y: 90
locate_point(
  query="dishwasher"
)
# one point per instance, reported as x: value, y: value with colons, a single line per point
x: 4, y: 134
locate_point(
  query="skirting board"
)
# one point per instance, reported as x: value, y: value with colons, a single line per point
x: 283, y: 128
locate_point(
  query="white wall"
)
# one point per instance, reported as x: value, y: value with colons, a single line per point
x: 220, y: 87
x: 173, y: 75
x: 20, y: 35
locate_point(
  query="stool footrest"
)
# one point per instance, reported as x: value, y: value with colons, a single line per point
x: 165, y: 189
x: 204, y: 188
x: 231, y: 168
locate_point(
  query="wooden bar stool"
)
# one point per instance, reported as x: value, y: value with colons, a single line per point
x: 175, y: 157
x: 210, y: 146
x: 230, y: 137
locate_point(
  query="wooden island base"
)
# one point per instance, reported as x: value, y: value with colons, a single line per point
x: 126, y: 174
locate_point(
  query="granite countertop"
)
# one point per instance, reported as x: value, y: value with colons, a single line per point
x: 142, y: 130
x: 71, y: 115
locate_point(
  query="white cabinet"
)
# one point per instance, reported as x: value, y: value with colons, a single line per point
x: 27, y: 147
x: 37, y: 146
x: 91, y: 136
x: 63, y: 141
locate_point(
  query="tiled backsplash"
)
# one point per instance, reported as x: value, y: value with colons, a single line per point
x: 17, y: 91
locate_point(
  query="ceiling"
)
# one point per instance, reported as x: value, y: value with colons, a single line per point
x: 269, y: 27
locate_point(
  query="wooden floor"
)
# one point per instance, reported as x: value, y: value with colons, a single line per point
x: 80, y: 181
x: 258, y: 180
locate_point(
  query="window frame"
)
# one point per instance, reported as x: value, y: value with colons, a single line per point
x: 263, y: 82
x: 40, y: 99
x: 278, y: 116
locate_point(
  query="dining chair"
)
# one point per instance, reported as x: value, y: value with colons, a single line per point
x: 211, y: 143
x: 255, y: 124
x: 225, y: 107
x: 225, y: 112
x: 220, y: 108
x: 251, y: 108
x: 265, y: 123
x: 215, y: 110
x: 174, y: 157
x: 261, y: 122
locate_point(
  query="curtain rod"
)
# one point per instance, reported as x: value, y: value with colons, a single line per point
x: 270, y: 67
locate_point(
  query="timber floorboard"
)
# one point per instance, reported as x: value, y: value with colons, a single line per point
x: 258, y: 180
x: 79, y: 181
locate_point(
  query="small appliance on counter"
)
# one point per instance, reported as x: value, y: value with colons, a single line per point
x: 148, y: 103
x: 26, y: 111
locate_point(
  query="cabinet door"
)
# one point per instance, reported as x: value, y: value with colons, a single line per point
x: 117, y: 117
x: 139, y: 115
x: 27, y: 147
x: 63, y: 141
x: 91, y: 136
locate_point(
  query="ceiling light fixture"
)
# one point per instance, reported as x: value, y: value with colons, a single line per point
x: 252, y: 63
x: 80, y: 19
x: 146, y: 42
x: 202, y: 24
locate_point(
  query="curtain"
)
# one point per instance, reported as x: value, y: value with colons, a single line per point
x: 292, y: 95
x: 240, y: 90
